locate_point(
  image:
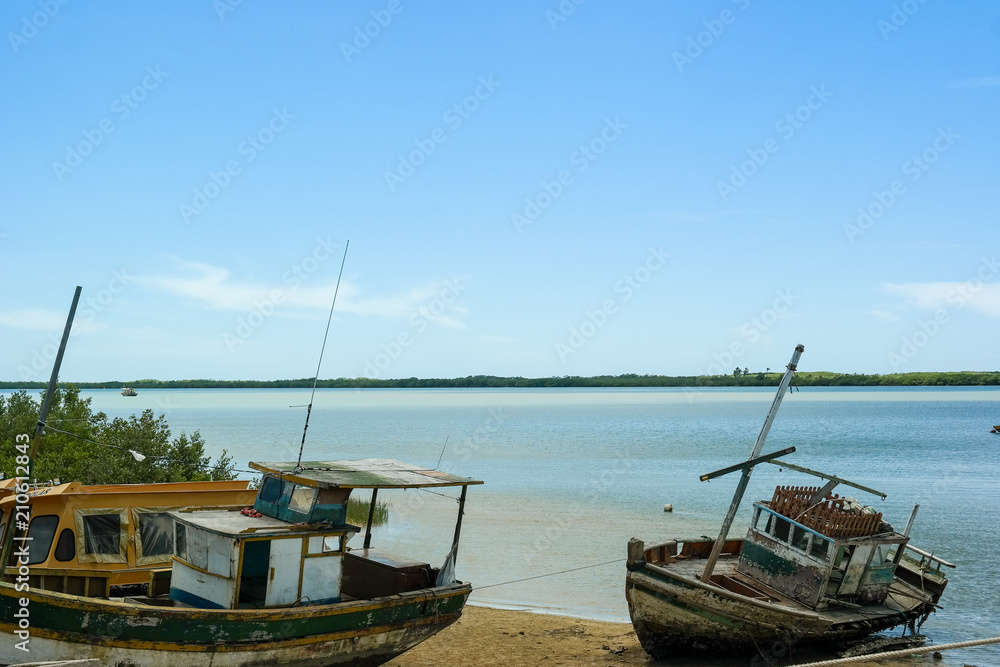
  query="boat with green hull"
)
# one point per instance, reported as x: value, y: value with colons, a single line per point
x: 273, y: 584
x: 814, y: 569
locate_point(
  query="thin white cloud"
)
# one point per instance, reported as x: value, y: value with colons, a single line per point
x: 979, y: 82
x: 981, y: 297
x: 296, y: 295
x: 493, y: 339
x: 884, y: 316
x: 40, y: 319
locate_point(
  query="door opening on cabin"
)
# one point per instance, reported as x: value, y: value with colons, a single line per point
x: 254, y: 574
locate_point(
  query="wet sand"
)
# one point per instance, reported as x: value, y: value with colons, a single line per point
x: 485, y: 637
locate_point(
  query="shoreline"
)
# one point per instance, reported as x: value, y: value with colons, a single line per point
x: 491, y: 637
x: 739, y: 379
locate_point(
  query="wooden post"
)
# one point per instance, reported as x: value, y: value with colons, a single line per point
x: 636, y: 553
x: 741, y: 487
x: 458, y: 523
x: 371, y: 518
x: 54, y: 379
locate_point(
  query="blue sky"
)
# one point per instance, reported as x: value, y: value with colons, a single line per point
x: 534, y: 188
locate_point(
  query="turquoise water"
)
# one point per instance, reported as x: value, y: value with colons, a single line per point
x: 572, y: 474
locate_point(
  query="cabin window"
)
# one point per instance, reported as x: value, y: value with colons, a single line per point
x: 778, y: 527
x: 881, y: 554
x: 66, y: 546
x: 102, y: 533
x: 820, y: 547
x: 800, y: 538
x: 332, y: 543
x: 180, y: 541
x: 302, y: 499
x: 156, y: 537
x: 270, y: 491
x: 41, y: 532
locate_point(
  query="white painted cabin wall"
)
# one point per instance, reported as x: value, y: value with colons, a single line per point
x: 321, y: 577
x: 215, y: 589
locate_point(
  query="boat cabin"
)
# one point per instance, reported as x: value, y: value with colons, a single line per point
x: 229, y: 560
x: 105, y: 539
x: 819, y: 552
x: 291, y: 549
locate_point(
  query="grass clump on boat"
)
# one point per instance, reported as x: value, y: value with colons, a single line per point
x: 357, y: 512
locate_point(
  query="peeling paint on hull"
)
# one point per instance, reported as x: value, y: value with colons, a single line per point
x: 678, y: 615
x: 361, y: 633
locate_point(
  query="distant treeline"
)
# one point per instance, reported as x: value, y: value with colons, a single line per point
x: 746, y: 379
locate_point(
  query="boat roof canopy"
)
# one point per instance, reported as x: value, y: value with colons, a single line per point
x: 362, y: 474
x: 234, y: 524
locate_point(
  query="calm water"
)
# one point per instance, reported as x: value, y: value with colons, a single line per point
x: 572, y: 474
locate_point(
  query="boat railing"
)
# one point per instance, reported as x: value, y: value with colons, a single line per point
x: 927, y: 560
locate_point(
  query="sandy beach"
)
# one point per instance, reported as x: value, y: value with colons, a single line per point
x: 485, y: 637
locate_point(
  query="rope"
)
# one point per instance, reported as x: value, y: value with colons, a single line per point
x: 899, y: 654
x: 551, y: 574
x: 319, y: 364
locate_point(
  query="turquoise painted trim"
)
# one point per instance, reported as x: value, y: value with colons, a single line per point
x: 178, y: 595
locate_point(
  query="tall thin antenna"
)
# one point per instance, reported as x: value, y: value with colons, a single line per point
x: 298, y: 463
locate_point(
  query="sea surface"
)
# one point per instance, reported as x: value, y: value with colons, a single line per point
x: 571, y: 474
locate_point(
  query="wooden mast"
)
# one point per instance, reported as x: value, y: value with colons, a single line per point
x: 749, y: 464
x: 9, y: 536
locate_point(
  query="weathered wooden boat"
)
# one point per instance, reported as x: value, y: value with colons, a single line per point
x: 813, y: 569
x: 275, y: 584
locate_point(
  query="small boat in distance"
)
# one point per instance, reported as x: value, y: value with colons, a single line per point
x: 996, y: 429
x: 814, y: 569
x: 128, y: 391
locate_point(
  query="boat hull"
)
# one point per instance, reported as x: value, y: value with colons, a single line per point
x: 361, y: 633
x: 674, y: 615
